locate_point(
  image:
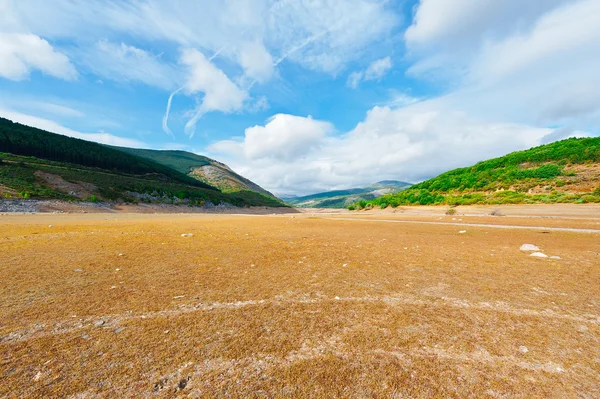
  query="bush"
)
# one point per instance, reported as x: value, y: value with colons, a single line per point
x: 351, y: 207
x: 451, y: 211
x: 93, y: 198
x: 586, y: 199
x: 383, y: 206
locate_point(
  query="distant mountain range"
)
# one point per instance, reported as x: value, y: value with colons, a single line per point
x: 343, y: 198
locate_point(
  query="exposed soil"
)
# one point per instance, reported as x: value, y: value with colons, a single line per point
x: 80, y: 189
x: 308, y: 305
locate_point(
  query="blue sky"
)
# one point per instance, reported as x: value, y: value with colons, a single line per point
x: 304, y: 96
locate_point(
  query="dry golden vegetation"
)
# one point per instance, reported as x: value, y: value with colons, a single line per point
x: 304, y: 306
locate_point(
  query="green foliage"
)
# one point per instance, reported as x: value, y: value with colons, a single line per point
x: 451, y: 211
x: 114, y: 186
x: 24, y: 140
x: 93, y: 198
x: 351, y: 207
x: 505, y: 180
x: 181, y: 161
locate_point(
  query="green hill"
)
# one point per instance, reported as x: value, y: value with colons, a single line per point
x: 199, y: 167
x: 39, y: 164
x: 564, y: 171
x: 344, y: 198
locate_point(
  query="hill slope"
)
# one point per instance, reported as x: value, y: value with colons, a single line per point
x: 564, y: 171
x: 343, y: 198
x: 39, y: 164
x: 201, y: 168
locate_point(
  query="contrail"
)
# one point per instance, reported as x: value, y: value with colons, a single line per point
x: 300, y: 46
x: 190, y: 126
x: 165, y: 120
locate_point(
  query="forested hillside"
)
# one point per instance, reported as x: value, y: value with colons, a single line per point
x: 24, y: 140
x: 39, y: 164
x: 564, y: 171
x: 201, y: 168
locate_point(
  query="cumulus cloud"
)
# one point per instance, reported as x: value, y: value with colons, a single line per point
x: 447, y: 34
x: 285, y: 137
x: 220, y: 93
x: 21, y: 53
x: 375, y: 71
x: 291, y: 154
x: 51, y: 126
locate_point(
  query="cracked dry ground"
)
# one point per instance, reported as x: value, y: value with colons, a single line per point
x: 117, y: 306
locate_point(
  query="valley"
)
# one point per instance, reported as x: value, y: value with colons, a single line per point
x: 405, y: 302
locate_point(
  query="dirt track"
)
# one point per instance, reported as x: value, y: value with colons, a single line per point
x: 300, y: 305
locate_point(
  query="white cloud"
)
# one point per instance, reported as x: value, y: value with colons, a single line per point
x: 125, y: 63
x: 321, y: 36
x: 53, y: 127
x: 220, y: 93
x: 285, y: 137
x: 375, y: 71
x: 21, y: 53
x: 256, y: 61
x: 296, y: 155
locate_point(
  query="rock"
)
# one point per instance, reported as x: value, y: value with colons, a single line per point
x: 121, y: 254
x: 179, y: 297
x: 187, y: 235
x: 344, y: 265
x: 78, y: 270
x: 50, y: 226
x: 539, y: 255
x: 99, y: 323
x: 523, y: 349
x: 337, y: 298
x: 462, y: 232
x: 556, y: 257
x: 119, y: 329
x: 529, y: 247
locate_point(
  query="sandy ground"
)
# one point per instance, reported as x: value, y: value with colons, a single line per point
x: 314, y: 304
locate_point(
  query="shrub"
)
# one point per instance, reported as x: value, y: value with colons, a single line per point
x: 93, y: 198
x: 383, y: 206
x: 586, y: 199
x: 351, y: 207
x: 451, y: 211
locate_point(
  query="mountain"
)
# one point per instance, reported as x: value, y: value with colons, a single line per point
x: 344, y: 198
x: 563, y: 171
x: 199, y: 167
x: 38, y: 164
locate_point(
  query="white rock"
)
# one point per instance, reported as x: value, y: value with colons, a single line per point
x: 337, y: 298
x: 187, y: 235
x: 539, y: 255
x: 523, y: 349
x: 462, y: 232
x: 344, y: 265
x: 50, y: 226
x: 529, y: 247
x: 556, y: 257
